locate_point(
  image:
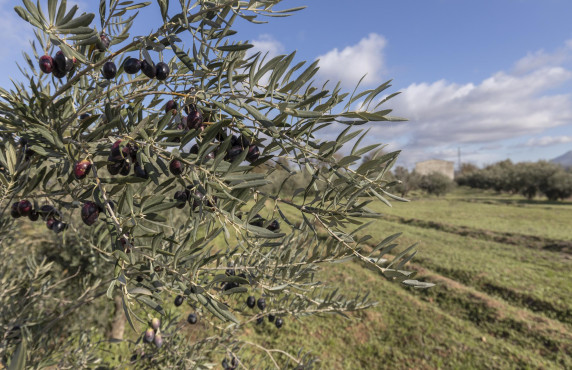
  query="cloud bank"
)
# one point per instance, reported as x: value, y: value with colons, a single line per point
x: 479, y: 116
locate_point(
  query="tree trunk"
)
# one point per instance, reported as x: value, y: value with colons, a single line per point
x: 119, y: 319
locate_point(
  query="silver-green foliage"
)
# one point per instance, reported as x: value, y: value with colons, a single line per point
x: 273, y: 101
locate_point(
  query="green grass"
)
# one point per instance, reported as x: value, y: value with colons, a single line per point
x: 495, y: 305
x: 489, y: 211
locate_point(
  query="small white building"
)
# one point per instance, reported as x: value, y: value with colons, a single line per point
x: 446, y: 168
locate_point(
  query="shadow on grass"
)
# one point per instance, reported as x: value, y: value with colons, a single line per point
x: 519, y: 202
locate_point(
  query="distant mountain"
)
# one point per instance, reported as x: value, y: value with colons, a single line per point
x: 565, y: 159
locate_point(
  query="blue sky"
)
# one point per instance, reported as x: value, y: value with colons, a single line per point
x: 491, y: 77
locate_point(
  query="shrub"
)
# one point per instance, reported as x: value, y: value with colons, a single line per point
x: 436, y: 184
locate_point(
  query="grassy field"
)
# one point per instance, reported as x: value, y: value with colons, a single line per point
x: 497, y: 304
x: 503, y: 297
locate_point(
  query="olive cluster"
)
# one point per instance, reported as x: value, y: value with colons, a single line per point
x: 48, y: 213
x: 259, y: 221
x: 231, y: 284
x: 195, y: 197
x: 59, y: 65
x: 121, y: 159
x: 192, y: 318
x: 261, y: 303
x: 153, y: 334
x: 160, y: 71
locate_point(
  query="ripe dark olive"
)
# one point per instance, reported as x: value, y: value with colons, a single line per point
x: 259, y: 320
x: 162, y: 71
x: 261, y: 303
x: 199, y: 198
x: 14, y: 212
x: 220, y: 136
x: 179, y: 300
x: 58, y: 71
x: 24, y: 207
x: 155, y: 323
x: 47, y: 64
x: 114, y: 167
x: 133, y: 358
x: 119, y: 153
x: 126, y: 244
x: 229, y: 286
x: 115, y: 152
x: 59, y: 226
x: 50, y: 223
x: 34, y: 215
x: 81, y: 169
x: 158, y: 340
x: 149, y: 335
x: 243, y: 141
x: 148, y: 70
x: 62, y: 63
x: 194, y: 118
x: 89, y: 213
x: 170, y: 106
x: 234, y: 140
x: 181, y: 197
x: 109, y: 70
x: 279, y: 322
x: 46, y: 211
x: 192, y: 319
x: 271, y: 318
x: 132, y: 66
x: 257, y: 220
x: 274, y: 226
x: 140, y: 171
x: 194, y: 149
x: 125, y: 167
x: 250, y: 301
x: 233, y: 153
x: 253, y: 153
x: 133, y: 149
x: 84, y: 116
x: 176, y: 167
x: 29, y: 153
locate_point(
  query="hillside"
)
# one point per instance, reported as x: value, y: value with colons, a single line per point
x: 565, y: 159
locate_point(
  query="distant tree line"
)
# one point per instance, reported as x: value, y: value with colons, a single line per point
x: 289, y: 181
x: 526, y: 178
x: 434, y: 183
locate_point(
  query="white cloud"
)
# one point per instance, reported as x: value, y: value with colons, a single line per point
x: 444, y: 115
x: 501, y: 107
x: 478, y: 116
x: 541, y: 59
x: 353, y: 62
x: 549, y: 140
x: 267, y: 44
